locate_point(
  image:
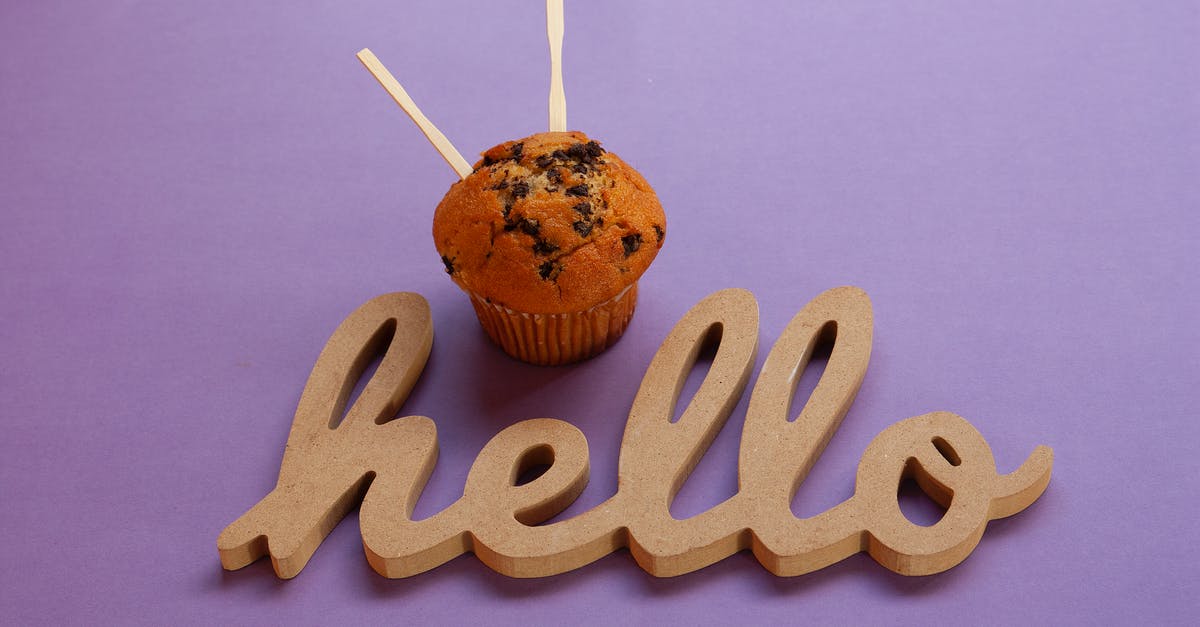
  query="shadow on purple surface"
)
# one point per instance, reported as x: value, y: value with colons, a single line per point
x: 471, y: 362
x: 257, y: 579
x: 615, y: 566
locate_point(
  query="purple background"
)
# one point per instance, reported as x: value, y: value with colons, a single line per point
x: 195, y: 194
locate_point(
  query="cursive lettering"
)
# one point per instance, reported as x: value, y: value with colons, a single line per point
x: 328, y: 466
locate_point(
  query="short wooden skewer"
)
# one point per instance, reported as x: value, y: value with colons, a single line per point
x: 435, y: 137
x: 558, y: 98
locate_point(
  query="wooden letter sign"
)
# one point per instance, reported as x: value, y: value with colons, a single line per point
x: 329, y: 466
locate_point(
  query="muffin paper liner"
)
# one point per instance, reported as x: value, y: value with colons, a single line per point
x: 556, y: 339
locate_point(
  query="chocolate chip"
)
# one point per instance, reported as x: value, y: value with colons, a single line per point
x: 580, y: 168
x: 560, y: 155
x: 517, y: 149
x: 585, y: 153
x: 501, y: 185
x: 487, y: 161
x: 554, y: 175
x: 658, y: 232
x: 582, y: 227
x: 542, y: 247
x: 584, y: 208
x: 544, y: 161
x: 549, y: 270
x: 577, y: 152
x: 578, y: 190
x: 506, y: 210
x: 449, y: 264
x: 520, y: 190
x: 529, y: 227
x: 631, y: 243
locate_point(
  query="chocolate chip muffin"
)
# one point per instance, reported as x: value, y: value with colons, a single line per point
x: 548, y: 236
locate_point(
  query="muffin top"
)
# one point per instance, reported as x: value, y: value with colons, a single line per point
x: 551, y: 223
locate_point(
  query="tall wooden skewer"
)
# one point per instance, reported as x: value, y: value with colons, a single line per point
x: 558, y: 98
x: 435, y: 137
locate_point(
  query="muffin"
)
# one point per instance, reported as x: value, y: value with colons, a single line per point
x: 548, y: 236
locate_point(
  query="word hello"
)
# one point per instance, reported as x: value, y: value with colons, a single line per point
x: 329, y: 466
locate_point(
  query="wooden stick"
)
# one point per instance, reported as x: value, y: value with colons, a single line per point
x: 435, y: 137
x: 558, y: 98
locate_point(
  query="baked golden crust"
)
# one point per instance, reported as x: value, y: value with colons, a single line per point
x: 551, y: 223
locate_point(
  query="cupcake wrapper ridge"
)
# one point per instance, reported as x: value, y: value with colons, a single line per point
x: 557, y: 339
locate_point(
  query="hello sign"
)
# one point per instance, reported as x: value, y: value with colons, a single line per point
x: 328, y: 467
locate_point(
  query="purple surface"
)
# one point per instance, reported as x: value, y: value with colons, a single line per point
x: 194, y: 195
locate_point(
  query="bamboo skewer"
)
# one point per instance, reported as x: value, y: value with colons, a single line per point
x: 435, y: 137
x: 558, y: 98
